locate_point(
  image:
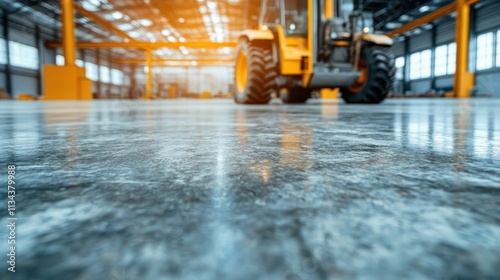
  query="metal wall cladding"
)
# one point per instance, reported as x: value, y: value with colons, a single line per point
x: 398, y: 49
x: 421, y: 42
x: 445, y: 32
x: 487, y: 17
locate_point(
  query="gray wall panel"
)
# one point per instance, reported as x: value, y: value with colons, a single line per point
x: 488, y: 83
x: 445, y: 32
x: 2, y: 80
x: 421, y: 42
x: 420, y: 86
x: 444, y: 82
x: 398, y: 49
x: 24, y: 84
x: 49, y: 56
x: 25, y: 36
x: 487, y: 17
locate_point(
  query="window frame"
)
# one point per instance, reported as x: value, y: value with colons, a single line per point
x: 450, y: 60
x: 421, y: 63
x: 480, y: 50
x: 400, y: 71
x: 20, y: 54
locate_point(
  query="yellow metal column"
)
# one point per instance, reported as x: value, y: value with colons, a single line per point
x: 464, y: 81
x: 68, y: 27
x: 149, y: 74
x: 328, y: 13
x: 66, y: 82
x: 329, y: 4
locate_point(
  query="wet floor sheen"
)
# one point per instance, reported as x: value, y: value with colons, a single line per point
x: 189, y: 189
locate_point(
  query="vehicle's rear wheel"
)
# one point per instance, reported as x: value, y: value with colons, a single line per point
x: 255, y: 73
x: 377, y: 77
x: 295, y: 95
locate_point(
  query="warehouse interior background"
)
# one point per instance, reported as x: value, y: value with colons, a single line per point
x: 426, y: 53
x: 132, y: 159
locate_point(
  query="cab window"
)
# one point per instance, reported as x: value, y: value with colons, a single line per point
x: 296, y: 17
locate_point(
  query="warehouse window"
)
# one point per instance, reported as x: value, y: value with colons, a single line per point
x: 452, y: 58
x: 445, y: 60
x: 60, y: 61
x: 91, y: 71
x: 400, y: 66
x: 420, y: 65
x: 498, y: 48
x: 116, y: 77
x: 441, y: 61
x: 22, y: 55
x: 3, y: 52
x: 484, y: 51
x: 104, y: 74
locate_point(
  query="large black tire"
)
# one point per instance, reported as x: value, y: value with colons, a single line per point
x: 295, y: 95
x: 261, y: 74
x: 381, y: 72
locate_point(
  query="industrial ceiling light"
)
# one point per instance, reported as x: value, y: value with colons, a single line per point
x: 424, y: 9
x: 117, y: 15
x: 145, y: 22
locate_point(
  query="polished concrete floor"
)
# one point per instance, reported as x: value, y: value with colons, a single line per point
x: 205, y: 189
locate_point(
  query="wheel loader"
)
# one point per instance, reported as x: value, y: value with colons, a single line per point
x: 300, y: 47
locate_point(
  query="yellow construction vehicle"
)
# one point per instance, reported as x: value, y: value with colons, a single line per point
x: 300, y: 46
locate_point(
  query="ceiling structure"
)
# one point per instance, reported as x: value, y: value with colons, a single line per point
x: 192, y: 20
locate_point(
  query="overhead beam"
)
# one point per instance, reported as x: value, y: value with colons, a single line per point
x: 144, y: 45
x: 159, y: 61
x: 430, y: 17
x: 149, y: 74
x: 103, y: 23
x: 188, y: 64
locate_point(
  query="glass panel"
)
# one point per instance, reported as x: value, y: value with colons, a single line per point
x: 296, y: 17
x: 80, y: 63
x: 426, y: 58
x: 498, y: 48
x: 91, y: 71
x: 3, y: 52
x: 440, y: 63
x: 104, y: 74
x: 452, y: 58
x: 415, y: 66
x: 60, y: 60
x: 22, y: 55
x: 484, y: 51
x: 400, y: 66
x: 272, y: 15
x: 116, y: 77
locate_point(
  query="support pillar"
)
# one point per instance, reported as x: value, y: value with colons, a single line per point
x: 67, y: 82
x: 68, y: 29
x: 149, y: 74
x: 407, y: 68
x: 41, y: 60
x: 464, y: 80
x: 8, y: 70
x: 328, y: 13
x: 329, y: 9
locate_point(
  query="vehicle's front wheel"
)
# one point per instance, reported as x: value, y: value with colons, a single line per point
x: 255, y: 74
x: 377, y: 77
